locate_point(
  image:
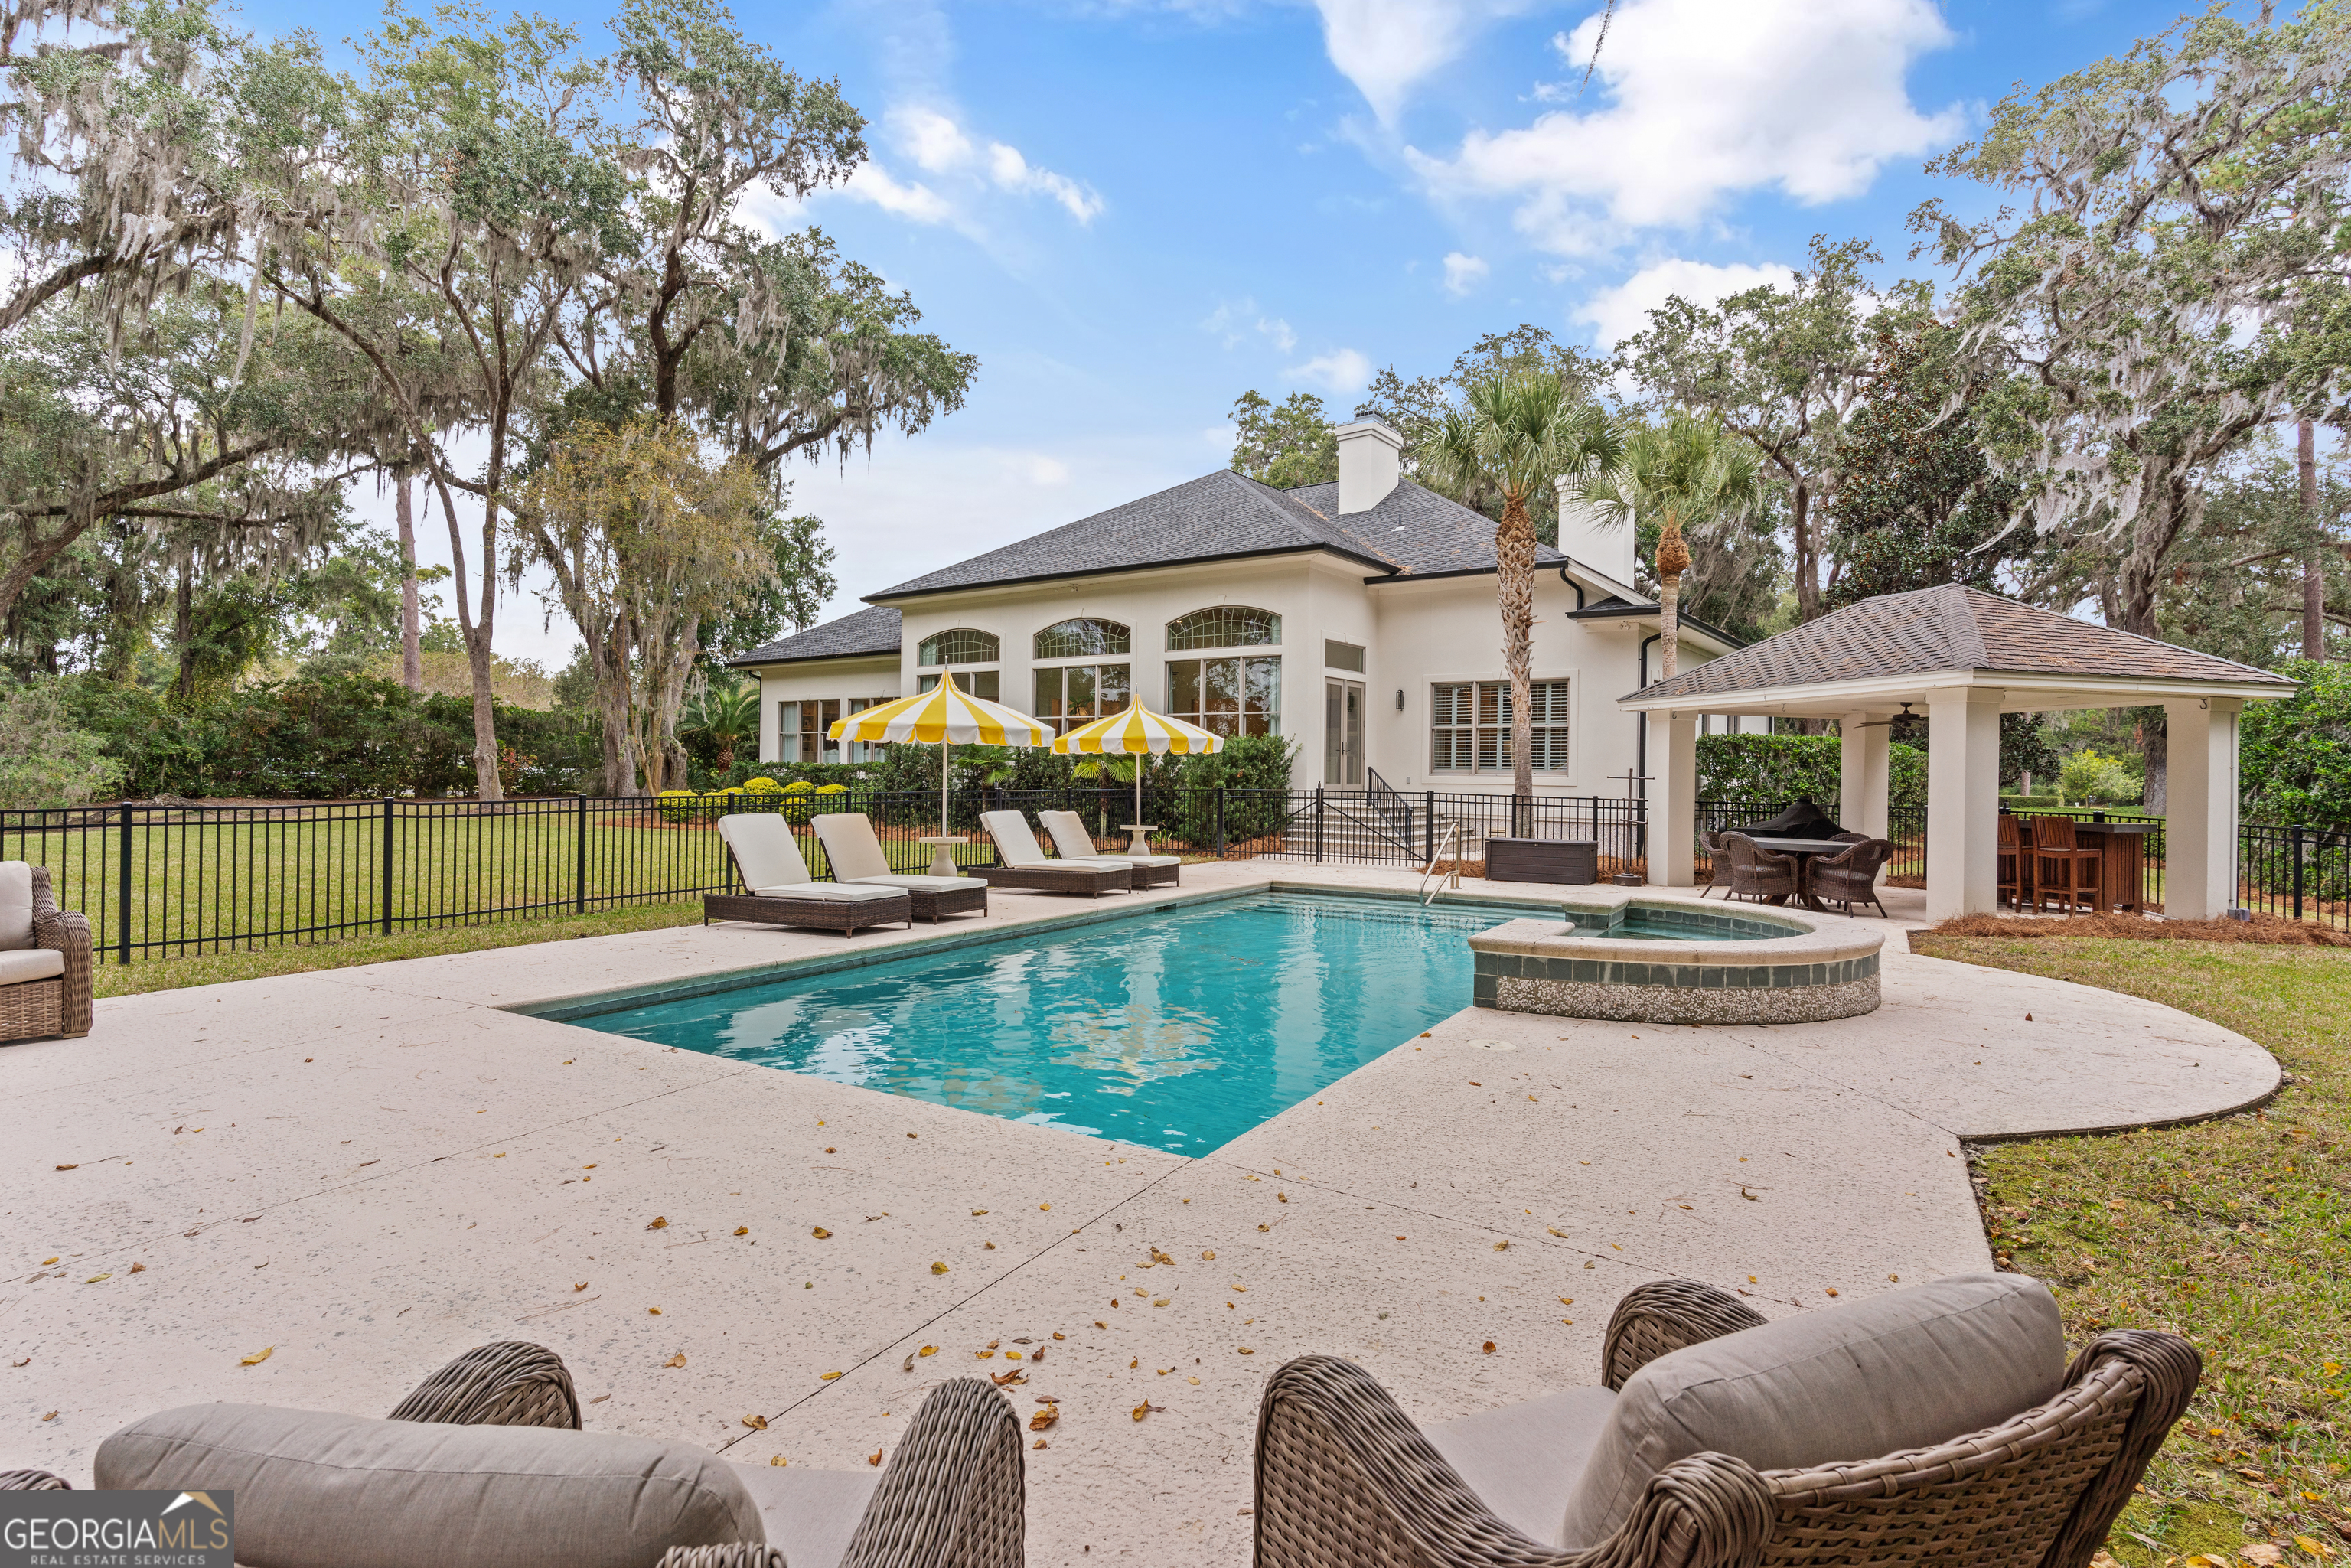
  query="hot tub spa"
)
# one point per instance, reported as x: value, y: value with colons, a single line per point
x: 1690, y: 963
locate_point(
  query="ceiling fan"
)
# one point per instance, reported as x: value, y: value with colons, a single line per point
x: 1904, y: 717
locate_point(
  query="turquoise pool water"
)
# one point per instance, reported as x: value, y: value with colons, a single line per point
x: 1179, y: 1031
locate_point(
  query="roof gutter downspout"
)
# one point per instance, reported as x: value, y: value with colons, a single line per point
x: 1573, y: 584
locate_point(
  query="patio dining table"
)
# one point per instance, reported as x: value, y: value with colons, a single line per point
x: 1803, y: 852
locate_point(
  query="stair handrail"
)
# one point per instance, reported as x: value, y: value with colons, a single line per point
x: 1453, y: 838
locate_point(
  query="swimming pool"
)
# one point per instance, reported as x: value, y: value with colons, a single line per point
x: 1179, y: 1030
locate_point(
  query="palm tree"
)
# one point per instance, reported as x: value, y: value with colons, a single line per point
x: 725, y: 716
x: 1519, y: 433
x: 1688, y: 471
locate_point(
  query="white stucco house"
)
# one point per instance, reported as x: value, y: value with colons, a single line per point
x: 1357, y: 617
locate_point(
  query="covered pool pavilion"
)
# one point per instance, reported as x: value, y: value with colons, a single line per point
x: 1961, y: 658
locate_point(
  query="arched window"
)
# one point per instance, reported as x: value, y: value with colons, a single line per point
x: 1084, y: 637
x: 1227, y: 626
x: 961, y: 646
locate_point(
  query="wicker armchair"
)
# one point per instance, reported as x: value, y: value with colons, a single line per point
x: 1757, y: 873
x: 1851, y: 877
x: 952, y: 1494
x: 1718, y: 865
x: 45, y: 958
x: 1345, y: 1476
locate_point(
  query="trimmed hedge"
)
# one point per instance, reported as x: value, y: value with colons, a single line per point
x: 1782, y: 766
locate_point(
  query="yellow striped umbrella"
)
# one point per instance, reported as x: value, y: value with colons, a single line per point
x: 1138, y: 732
x: 943, y: 716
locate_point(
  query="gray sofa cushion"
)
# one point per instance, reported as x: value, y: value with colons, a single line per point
x: 1908, y: 1369
x: 16, y: 904
x: 1521, y: 1459
x: 809, y: 1513
x: 315, y: 1488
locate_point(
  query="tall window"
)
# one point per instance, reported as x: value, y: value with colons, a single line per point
x: 1084, y: 637
x: 1233, y: 695
x: 1227, y: 626
x: 804, y: 731
x: 961, y: 646
x: 1071, y: 694
x: 1469, y: 726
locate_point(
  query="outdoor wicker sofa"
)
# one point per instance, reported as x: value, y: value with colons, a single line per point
x: 1026, y: 867
x: 782, y: 893
x: 856, y: 855
x: 1072, y: 842
x: 1718, y: 1440
x: 483, y: 1467
x: 45, y: 958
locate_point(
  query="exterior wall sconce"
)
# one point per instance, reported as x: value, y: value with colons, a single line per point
x: 1399, y: 699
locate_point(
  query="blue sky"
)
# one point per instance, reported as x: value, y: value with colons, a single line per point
x: 1134, y: 212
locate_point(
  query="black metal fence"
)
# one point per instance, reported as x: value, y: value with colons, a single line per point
x: 166, y: 881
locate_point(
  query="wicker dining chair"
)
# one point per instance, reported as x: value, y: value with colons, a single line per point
x: 47, y: 976
x: 1343, y: 1477
x: 1850, y: 877
x: 2064, y: 868
x: 1757, y: 873
x: 1717, y: 866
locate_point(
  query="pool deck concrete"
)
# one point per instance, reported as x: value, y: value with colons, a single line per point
x: 369, y: 1170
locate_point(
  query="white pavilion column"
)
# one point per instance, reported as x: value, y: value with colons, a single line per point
x: 1962, y: 802
x: 1673, y: 799
x: 2199, y: 873
x: 1862, y: 778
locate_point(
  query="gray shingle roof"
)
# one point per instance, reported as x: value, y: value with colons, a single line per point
x: 1223, y: 515
x: 871, y: 631
x: 1948, y: 628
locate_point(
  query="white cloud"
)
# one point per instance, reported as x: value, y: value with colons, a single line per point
x: 918, y: 203
x: 1710, y: 98
x: 1234, y: 321
x: 1387, y: 46
x: 1464, y: 273
x: 1617, y: 313
x: 1340, y: 371
x: 944, y: 151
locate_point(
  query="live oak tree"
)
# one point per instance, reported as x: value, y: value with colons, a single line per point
x: 1286, y: 444
x: 1782, y: 368
x: 1518, y: 435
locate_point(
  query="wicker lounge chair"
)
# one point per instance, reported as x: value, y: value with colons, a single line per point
x: 1072, y: 842
x: 782, y: 893
x: 45, y: 958
x: 952, y: 1492
x: 856, y: 856
x: 1025, y: 865
x: 1758, y: 874
x: 2021, y: 1460
x: 1850, y: 878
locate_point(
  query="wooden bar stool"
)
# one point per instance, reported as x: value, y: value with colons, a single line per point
x: 2015, y: 864
x: 2061, y: 866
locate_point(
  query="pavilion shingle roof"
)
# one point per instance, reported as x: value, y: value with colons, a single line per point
x: 1948, y: 628
x: 871, y: 631
x: 1223, y: 515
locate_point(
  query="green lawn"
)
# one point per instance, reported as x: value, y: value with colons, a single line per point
x: 254, y: 963
x: 2236, y: 1233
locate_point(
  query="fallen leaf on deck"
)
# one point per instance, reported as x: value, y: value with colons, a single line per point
x: 827, y: 1377
x: 46, y: 1261
x: 1502, y: 1246
x: 821, y: 1234
x: 256, y: 1359
x: 757, y: 1423
x: 874, y: 1459
x: 907, y: 1364
x: 1044, y: 1206
x: 938, y: 1268
x: 77, y: 1165
x: 581, y: 1286
x: 94, y: 1278
x: 1488, y: 1348
x: 652, y: 1311
x: 778, y: 1461
x: 1281, y: 1197
x: 1058, y: 1334
x: 742, y: 1230
x: 658, y: 1224
x: 1043, y: 1418
x: 677, y: 1360
x: 1007, y: 1379
x: 831, y: 1150
x: 1145, y: 1408
x: 976, y: 1212
x: 1265, y: 1228
x: 1012, y: 1356
x: 1246, y: 1351
x: 50, y: 1417
x: 985, y: 1354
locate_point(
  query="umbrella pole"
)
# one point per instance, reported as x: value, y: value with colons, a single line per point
x: 944, y: 746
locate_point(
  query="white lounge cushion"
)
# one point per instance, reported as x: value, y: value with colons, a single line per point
x: 16, y: 905
x: 1909, y: 1369
x: 1014, y: 842
x: 22, y: 964
x: 810, y: 1513
x: 764, y: 851
x: 828, y: 892
x: 849, y: 844
x: 314, y: 1487
x: 1522, y: 1459
x: 916, y: 882
x: 1072, y: 842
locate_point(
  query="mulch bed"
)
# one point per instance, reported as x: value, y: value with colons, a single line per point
x: 2266, y: 930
